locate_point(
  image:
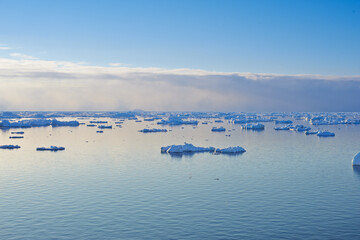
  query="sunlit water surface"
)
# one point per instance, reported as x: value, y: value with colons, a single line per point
x: 117, y: 185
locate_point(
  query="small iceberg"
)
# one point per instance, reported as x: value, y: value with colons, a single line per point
x: 148, y: 130
x: 300, y: 128
x: 230, y: 150
x: 356, y: 160
x: 9, y: 146
x: 51, y: 148
x: 219, y: 129
x: 17, y: 132
x: 101, y: 122
x: 250, y: 126
x: 91, y: 125
x: 105, y: 127
x: 186, y: 148
x: 283, y: 122
x: 284, y: 128
x: 16, y: 137
x: 56, y: 123
x: 311, y: 132
x: 99, y: 131
x: 326, y: 134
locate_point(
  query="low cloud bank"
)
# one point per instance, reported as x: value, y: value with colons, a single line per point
x: 31, y: 84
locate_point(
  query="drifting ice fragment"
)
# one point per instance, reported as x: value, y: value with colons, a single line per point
x: 148, y: 130
x: 219, y: 129
x: 186, y: 148
x: 356, y: 160
x: 250, y: 126
x: 230, y: 150
x: 9, y: 146
x: 51, y: 148
x: 326, y: 134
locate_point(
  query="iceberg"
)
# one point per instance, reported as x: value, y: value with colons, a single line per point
x: 25, y: 123
x: 101, y: 122
x: 17, y: 132
x: 99, y: 131
x: 16, y: 137
x: 178, y: 121
x: 250, y: 126
x: 9, y: 146
x: 300, y: 128
x: 356, y: 160
x: 311, y: 132
x: 51, y: 148
x: 282, y: 128
x: 230, y: 150
x: 56, y: 123
x: 186, y: 148
x: 148, y: 130
x: 91, y: 125
x: 105, y: 127
x: 219, y: 129
x: 283, y: 122
x: 326, y: 134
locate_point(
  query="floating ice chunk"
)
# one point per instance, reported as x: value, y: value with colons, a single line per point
x: 237, y: 149
x: 16, y: 137
x: 219, y: 129
x: 186, y: 148
x: 356, y: 160
x: 283, y: 122
x: 51, y: 148
x: 284, y: 128
x: 177, y: 121
x: 56, y: 123
x: 17, y: 132
x: 25, y: 123
x: 105, y: 127
x: 9, y: 146
x: 219, y: 121
x: 98, y: 122
x: 311, y: 132
x: 148, y: 130
x: 326, y: 134
x: 250, y: 126
x: 99, y: 131
x: 91, y: 125
x: 300, y: 128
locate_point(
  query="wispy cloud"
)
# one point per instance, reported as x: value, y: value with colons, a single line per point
x: 32, y: 84
x: 5, y: 48
x: 23, y: 56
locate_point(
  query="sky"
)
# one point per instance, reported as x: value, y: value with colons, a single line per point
x: 180, y: 55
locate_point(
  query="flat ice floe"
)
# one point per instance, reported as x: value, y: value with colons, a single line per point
x: 151, y: 130
x: 356, y: 160
x: 189, y: 148
x: 218, y: 129
x: 250, y: 126
x: 326, y: 134
x: 230, y: 150
x: 186, y: 148
x: 51, y: 148
x: 9, y: 146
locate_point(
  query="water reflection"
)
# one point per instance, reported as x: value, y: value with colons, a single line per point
x: 357, y: 171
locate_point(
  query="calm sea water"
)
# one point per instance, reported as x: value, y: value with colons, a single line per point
x: 117, y: 185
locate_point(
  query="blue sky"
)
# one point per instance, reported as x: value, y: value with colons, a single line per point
x: 285, y: 37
